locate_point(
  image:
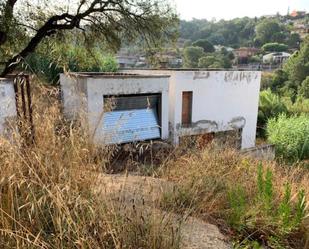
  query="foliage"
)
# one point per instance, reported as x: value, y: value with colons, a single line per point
x: 270, y: 106
x: 304, y: 88
x: 291, y: 81
x: 191, y: 56
x: 260, y: 204
x: 205, y: 44
x: 294, y: 40
x: 297, y: 67
x: 52, y: 195
x: 286, y: 215
x: 279, y: 78
x: 299, y: 106
x: 98, y: 21
x: 255, y: 59
x: 235, y: 33
x: 269, y: 30
x: 275, y: 47
x: 68, y: 57
x: 267, y: 81
x: 214, y: 60
x: 290, y: 135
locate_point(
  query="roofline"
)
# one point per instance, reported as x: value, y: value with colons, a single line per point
x: 192, y: 69
x: 117, y: 75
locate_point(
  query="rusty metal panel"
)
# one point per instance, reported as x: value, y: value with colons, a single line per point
x: 24, y: 107
x: 186, y: 109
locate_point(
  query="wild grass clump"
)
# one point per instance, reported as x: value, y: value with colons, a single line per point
x: 49, y: 194
x: 290, y: 135
x: 256, y: 203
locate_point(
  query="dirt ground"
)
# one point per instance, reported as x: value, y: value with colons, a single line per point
x: 146, y: 191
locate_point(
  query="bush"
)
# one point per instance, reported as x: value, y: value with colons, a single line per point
x: 286, y: 214
x: 214, y: 60
x: 270, y: 106
x: 290, y: 135
x: 275, y: 47
x: 191, y: 56
x: 300, y: 106
x: 206, y: 45
x: 304, y: 88
x: 74, y: 59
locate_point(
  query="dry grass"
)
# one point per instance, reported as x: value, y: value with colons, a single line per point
x: 205, y: 180
x: 47, y: 198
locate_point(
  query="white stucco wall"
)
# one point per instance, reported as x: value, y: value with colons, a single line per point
x: 73, y: 91
x: 83, y: 94
x: 97, y: 87
x: 222, y: 101
x: 7, y: 104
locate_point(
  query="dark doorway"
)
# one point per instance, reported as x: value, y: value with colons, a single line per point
x: 186, y: 109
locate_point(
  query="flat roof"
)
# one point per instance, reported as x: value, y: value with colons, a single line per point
x: 119, y: 75
x: 191, y: 69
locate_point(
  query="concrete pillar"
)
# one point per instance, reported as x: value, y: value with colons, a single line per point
x: 8, y: 113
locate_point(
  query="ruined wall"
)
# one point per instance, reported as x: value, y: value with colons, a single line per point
x: 222, y: 101
x: 120, y: 85
x: 73, y: 93
x: 7, y: 107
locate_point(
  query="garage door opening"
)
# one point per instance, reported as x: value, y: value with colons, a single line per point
x: 132, y: 118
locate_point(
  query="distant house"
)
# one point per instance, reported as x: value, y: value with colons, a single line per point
x: 218, y: 48
x: 127, y: 61
x: 296, y: 13
x: 276, y: 58
x: 244, y: 53
x: 301, y: 29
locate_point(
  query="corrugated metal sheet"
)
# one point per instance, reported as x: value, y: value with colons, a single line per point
x: 131, y: 125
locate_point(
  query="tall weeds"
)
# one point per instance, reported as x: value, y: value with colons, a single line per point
x: 47, y: 197
x: 257, y: 203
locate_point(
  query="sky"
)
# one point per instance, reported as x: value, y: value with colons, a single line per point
x: 229, y: 9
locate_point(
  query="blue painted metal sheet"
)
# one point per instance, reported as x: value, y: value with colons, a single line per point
x: 131, y: 125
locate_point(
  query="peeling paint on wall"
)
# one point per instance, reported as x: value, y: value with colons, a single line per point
x: 237, y: 123
x: 201, y: 75
x: 240, y: 76
x: 201, y: 124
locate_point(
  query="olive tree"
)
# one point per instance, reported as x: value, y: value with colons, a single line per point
x: 25, y: 24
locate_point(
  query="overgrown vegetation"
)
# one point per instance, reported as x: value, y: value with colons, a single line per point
x: 267, y: 206
x: 51, y: 196
x: 241, y: 32
x: 291, y: 136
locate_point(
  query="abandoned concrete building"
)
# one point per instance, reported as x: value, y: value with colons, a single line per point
x: 164, y: 104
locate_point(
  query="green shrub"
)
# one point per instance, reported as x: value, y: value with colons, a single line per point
x: 290, y: 135
x: 275, y: 47
x: 304, y: 88
x: 74, y: 59
x: 300, y: 106
x: 270, y: 106
x: 279, y: 220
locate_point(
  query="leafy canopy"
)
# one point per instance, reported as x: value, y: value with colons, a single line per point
x: 205, y: 44
x: 269, y: 30
x: 191, y: 56
x: 275, y: 47
x: 25, y: 25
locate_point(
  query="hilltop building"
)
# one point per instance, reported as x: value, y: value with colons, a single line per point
x: 164, y: 104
